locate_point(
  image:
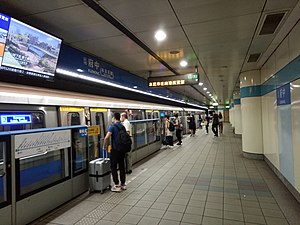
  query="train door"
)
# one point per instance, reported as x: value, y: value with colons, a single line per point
x: 98, y: 118
x: 71, y: 116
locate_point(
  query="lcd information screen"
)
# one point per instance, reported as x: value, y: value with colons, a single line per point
x: 15, y: 119
x: 27, y: 50
x: 177, y: 80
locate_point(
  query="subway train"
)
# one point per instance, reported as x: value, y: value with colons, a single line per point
x: 47, y: 108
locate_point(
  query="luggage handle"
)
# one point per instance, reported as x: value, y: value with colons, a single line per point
x: 104, y: 150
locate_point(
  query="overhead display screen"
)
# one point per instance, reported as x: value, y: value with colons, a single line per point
x: 27, y: 50
x: 177, y: 80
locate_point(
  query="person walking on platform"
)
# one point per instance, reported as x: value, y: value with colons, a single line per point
x: 191, y: 123
x: 220, y: 122
x: 207, y: 123
x: 215, y: 124
x: 116, y: 157
x: 169, y: 127
x: 128, y: 159
x: 178, y: 126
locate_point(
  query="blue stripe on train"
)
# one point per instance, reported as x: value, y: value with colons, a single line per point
x: 40, y: 172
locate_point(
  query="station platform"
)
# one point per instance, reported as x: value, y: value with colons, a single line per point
x: 205, y: 181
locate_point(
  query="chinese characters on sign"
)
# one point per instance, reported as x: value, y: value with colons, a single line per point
x: 166, y: 83
x: 283, y: 94
x: 94, y: 68
x: 187, y: 79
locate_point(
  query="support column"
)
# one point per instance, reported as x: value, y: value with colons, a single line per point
x: 252, y: 142
x: 237, y: 114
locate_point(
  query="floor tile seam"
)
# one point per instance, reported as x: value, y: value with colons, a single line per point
x: 232, y: 146
x: 206, y: 144
x: 271, y: 190
x: 177, y: 173
x: 243, y: 161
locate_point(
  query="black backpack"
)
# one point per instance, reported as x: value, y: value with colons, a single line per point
x: 171, y: 126
x: 123, y: 140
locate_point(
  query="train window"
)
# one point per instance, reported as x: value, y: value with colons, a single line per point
x: 37, y: 121
x: 100, y: 122
x: 149, y: 115
x: 136, y: 115
x: 156, y: 115
x: 39, y: 171
x: 73, y: 118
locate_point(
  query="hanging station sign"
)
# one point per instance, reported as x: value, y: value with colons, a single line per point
x: 176, y: 80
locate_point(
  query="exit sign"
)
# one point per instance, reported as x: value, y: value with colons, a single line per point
x: 176, y: 80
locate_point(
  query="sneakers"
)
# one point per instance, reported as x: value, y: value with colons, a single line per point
x: 123, y: 187
x: 115, y: 188
x: 118, y: 188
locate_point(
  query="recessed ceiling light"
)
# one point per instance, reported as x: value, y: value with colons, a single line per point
x: 207, y: 92
x: 204, y: 89
x: 80, y: 70
x: 200, y: 84
x: 183, y: 63
x: 210, y: 94
x: 134, y: 86
x: 174, y: 52
x: 160, y: 35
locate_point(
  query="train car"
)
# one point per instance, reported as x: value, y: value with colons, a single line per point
x: 25, y: 107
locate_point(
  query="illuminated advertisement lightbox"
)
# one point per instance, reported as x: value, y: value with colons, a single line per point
x: 27, y: 50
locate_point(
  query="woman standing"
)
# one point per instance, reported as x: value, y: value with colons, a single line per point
x: 220, y: 122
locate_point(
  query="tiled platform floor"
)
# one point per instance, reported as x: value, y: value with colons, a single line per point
x: 205, y: 181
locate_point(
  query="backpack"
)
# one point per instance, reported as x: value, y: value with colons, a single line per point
x: 171, y: 126
x: 123, y: 140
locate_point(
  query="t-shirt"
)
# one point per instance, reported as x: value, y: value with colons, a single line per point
x: 127, y: 126
x: 114, y: 134
x: 168, y: 132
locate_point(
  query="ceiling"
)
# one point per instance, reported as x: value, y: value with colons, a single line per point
x: 217, y: 36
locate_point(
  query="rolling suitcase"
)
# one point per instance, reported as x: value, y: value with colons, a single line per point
x: 100, y: 174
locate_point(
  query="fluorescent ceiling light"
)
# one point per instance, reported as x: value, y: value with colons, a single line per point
x: 160, y: 35
x: 207, y: 92
x: 95, y: 80
x: 183, y: 63
x: 200, y: 84
x: 215, y: 104
x: 136, y: 87
x: 204, y: 89
x: 80, y: 70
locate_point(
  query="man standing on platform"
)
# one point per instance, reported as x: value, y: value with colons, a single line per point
x: 128, y: 160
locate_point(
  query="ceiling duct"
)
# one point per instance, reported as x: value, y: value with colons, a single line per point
x: 271, y: 23
x: 253, y: 57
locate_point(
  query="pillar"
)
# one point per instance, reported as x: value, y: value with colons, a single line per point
x: 251, y: 109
